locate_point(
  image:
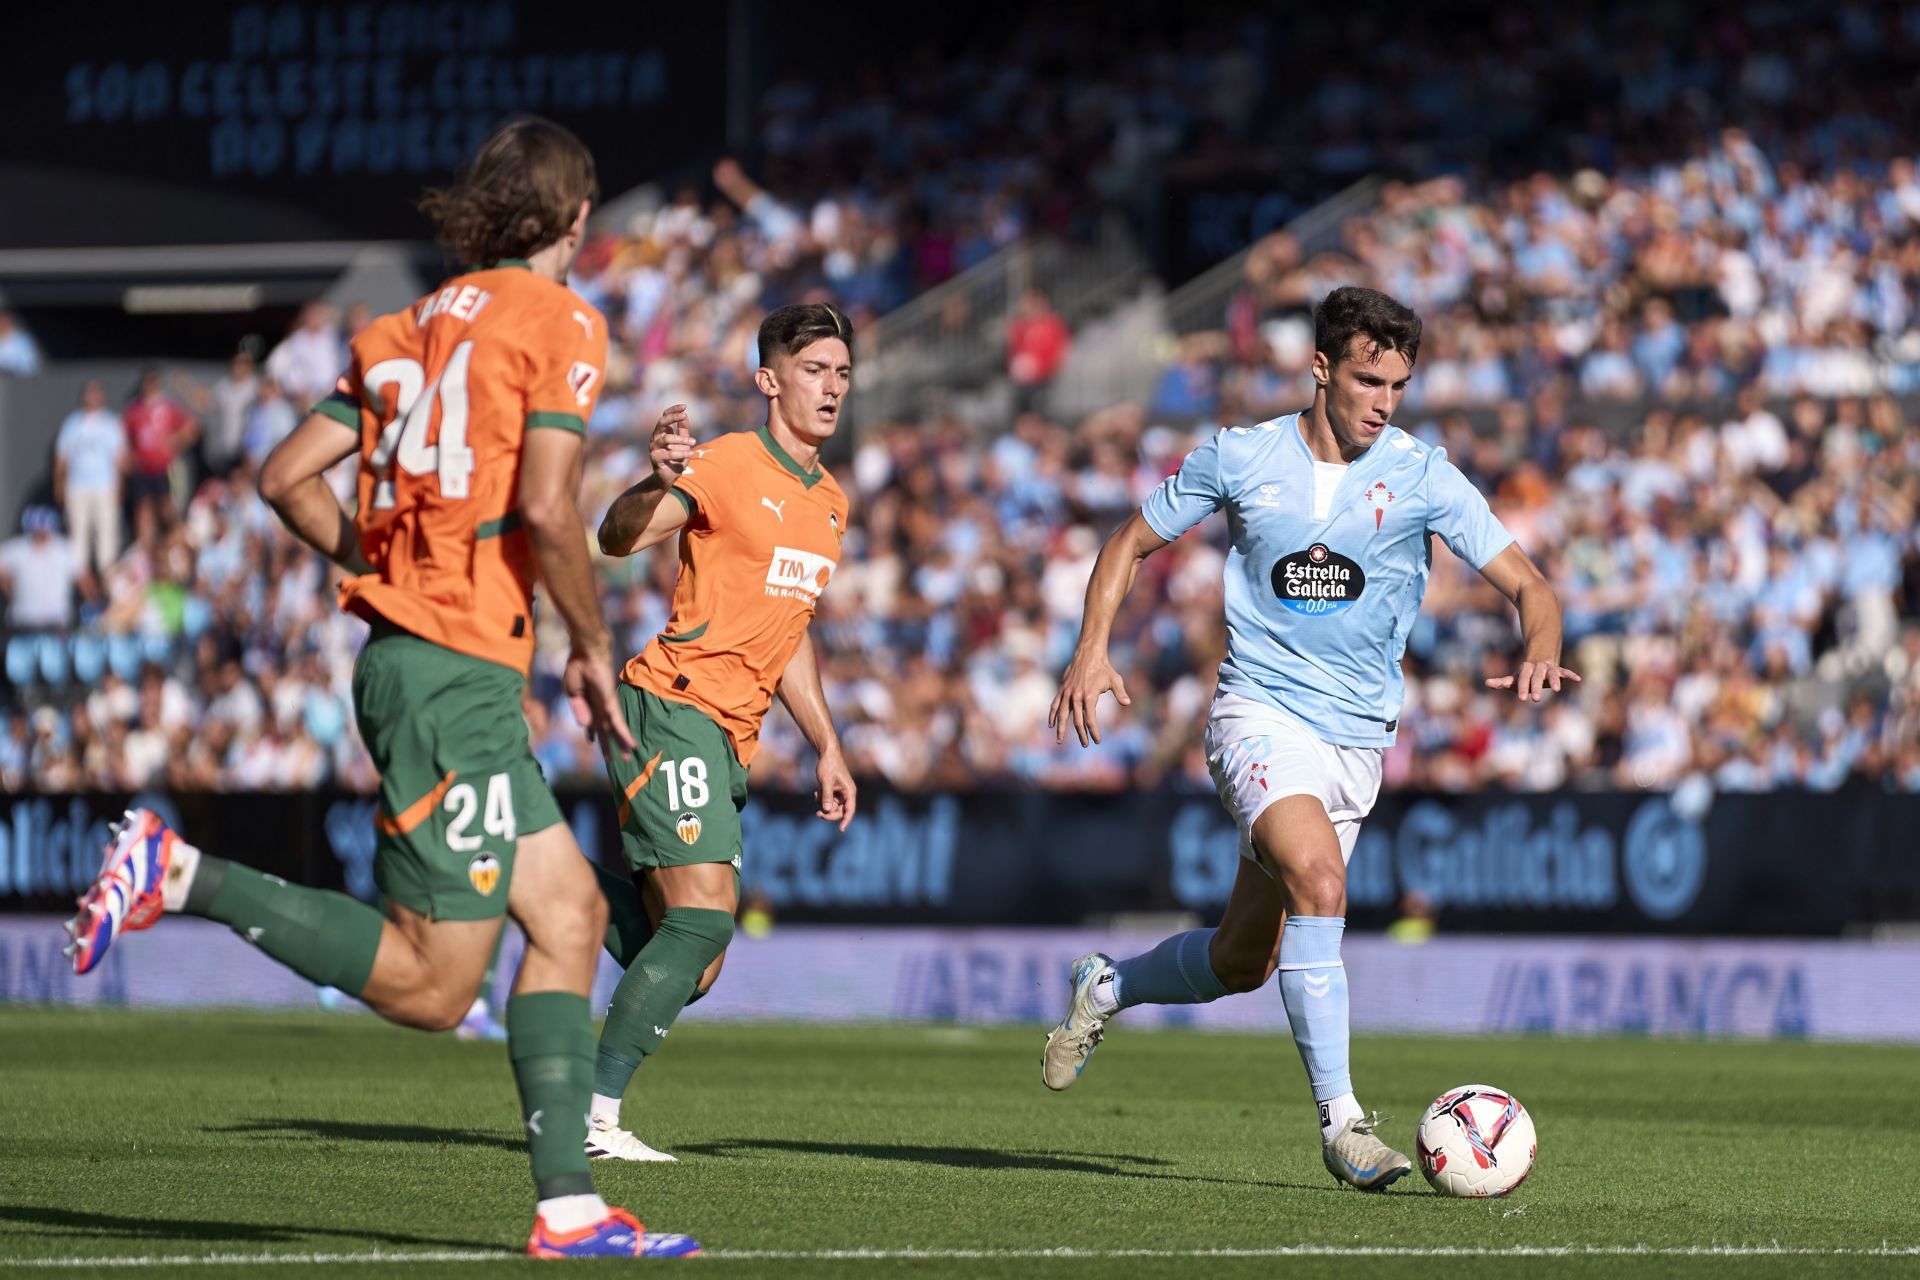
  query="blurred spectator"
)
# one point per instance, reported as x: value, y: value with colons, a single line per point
x: 158, y: 432
x: 223, y: 408
x: 37, y: 573
x: 18, y: 353
x: 309, y: 359
x: 89, y: 467
x: 271, y: 420
x: 1037, y: 345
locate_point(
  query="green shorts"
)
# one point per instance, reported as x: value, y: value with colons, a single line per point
x: 458, y: 782
x: 680, y: 793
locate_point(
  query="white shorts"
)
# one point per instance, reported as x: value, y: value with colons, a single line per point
x: 1258, y: 754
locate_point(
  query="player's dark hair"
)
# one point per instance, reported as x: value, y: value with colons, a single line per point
x: 1351, y: 312
x: 520, y: 194
x: 792, y: 329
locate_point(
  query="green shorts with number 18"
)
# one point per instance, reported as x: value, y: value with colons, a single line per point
x: 681, y: 791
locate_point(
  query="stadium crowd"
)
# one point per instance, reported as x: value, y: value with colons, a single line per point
x: 1743, y: 598
x: 1742, y: 582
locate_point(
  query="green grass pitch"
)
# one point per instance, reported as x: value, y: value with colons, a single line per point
x: 161, y: 1140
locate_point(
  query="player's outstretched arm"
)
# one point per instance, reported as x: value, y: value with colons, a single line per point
x: 1514, y: 574
x: 639, y: 518
x: 549, y: 480
x: 293, y: 483
x: 806, y: 701
x: 1091, y: 672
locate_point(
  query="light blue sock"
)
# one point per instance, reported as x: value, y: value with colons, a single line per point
x: 1175, y: 972
x: 1313, y: 982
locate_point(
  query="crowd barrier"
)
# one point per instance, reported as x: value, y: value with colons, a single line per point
x: 1691, y: 863
x: 1473, y: 985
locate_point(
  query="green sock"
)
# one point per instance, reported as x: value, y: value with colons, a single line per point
x: 325, y: 937
x: 550, y: 1039
x: 628, y: 929
x: 654, y: 990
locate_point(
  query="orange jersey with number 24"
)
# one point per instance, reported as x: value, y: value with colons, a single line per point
x: 443, y: 395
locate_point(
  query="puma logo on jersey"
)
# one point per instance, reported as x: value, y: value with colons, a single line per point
x: 581, y: 378
x: 586, y: 321
x: 774, y: 507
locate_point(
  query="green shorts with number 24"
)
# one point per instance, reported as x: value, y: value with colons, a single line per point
x: 458, y: 783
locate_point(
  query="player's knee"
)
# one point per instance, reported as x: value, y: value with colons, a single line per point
x: 1239, y: 976
x: 429, y: 1007
x: 1318, y: 891
x: 573, y: 922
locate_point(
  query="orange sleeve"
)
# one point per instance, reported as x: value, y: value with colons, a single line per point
x: 703, y: 487
x: 567, y: 367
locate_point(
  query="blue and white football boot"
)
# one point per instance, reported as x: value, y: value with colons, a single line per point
x: 1359, y: 1159
x: 1070, y: 1044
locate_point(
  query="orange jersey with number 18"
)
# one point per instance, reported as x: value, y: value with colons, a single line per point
x: 443, y: 395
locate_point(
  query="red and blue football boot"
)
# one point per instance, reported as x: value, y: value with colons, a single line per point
x: 126, y: 895
x: 618, y: 1235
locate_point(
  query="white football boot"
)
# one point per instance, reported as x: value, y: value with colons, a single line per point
x: 606, y: 1140
x: 1361, y: 1160
x: 1070, y: 1044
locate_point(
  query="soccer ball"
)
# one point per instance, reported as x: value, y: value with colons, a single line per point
x: 1474, y: 1141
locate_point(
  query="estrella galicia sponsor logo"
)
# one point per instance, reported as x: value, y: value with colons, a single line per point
x: 1317, y: 581
x: 1665, y: 860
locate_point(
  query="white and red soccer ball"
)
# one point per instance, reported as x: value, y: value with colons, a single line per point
x: 1475, y: 1141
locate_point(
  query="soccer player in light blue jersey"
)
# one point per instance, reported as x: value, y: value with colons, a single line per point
x: 1331, y: 513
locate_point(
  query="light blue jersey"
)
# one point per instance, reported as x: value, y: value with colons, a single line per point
x: 1318, y: 609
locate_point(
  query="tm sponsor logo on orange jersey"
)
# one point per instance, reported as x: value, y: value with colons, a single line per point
x: 798, y: 575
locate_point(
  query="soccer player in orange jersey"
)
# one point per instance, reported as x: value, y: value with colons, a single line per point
x: 760, y: 524
x: 467, y: 411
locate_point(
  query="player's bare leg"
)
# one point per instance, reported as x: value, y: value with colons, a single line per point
x: 557, y: 902
x: 1295, y: 840
x: 693, y: 925
x: 1195, y: 967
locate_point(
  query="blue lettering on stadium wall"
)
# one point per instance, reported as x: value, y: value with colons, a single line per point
x: 1649, y: 999
x: 890, y: 857
x: 1665, y: 860
x: 1502, y: 860
x: 351, y: 836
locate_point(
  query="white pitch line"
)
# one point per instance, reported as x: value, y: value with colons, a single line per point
x: 997, y: 1255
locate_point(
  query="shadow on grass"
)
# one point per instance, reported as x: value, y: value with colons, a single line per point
x: 39, y: 1221
x: 1113, y: 1166
x: 353, y: 1131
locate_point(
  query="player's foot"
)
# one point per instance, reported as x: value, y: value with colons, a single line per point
x: 1361, y: 1160
x: 1070, y: 1044
x: 618, y: 1235
x: 480, y: 1024
x: 125, y: 898
x: 606, y: 1140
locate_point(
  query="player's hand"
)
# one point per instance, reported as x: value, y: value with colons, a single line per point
x: 836, y: 793
x: 1534, y: 680
x: 594, y: 698
x: 671, y: 445
x: 1088, y: 676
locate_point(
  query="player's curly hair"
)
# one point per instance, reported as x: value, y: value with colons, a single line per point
x: 521, y: 193
x: 1351, y: 312
x: 793, y: 328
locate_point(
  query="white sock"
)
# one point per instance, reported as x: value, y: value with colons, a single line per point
x: 606, y: 1110
x: 1334, y: 1114
x: 181, y: 869
x: 1102, y: 998
x: 571, y: 1213
x: 478, y: 1009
